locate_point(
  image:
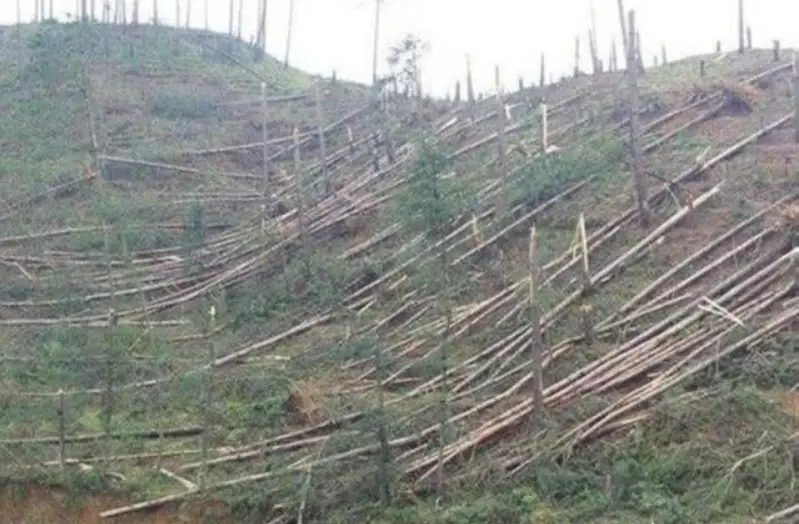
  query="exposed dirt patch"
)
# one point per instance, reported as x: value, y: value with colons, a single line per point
x: 37, y: 504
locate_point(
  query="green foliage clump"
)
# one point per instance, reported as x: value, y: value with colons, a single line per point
x: 429, y: 202
x: 545, y: 177
x: 52, y: 61
x: 177, y: 107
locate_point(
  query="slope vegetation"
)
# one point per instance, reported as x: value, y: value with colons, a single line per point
x: 371, y: 326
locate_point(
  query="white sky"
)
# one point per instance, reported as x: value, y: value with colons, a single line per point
x: 337, y: 34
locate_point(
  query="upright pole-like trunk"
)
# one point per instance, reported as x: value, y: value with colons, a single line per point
x: 614, y: 66
x: 470, y: 87
x: 542, y: 79
x: 135, y: 14
x: 741, y: 42
x: 639, y: 177
x: 593, y: 40
x: 93, y: 15
x: 188, y: 14
x: 231, y: 17
x: 592, y: 50
x: 36, y: 11
x: 241, y: 19
x: 155, y: 12
x: 502, y: 205
x: 177, y: 13
x: 288, y: 33
x: 624, y: 38
x: 209, y: 397
x: 51, y: 14
x: 265, y: 135
x: 261, y: 40
x: 576, y: 56
x: 321, y: 132
x: 299, y: 185
x: 375, y: 42
x: 205, y: 12
x: 536, y: 342
x: 796, y: 97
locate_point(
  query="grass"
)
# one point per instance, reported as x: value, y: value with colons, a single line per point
x: 167, y: 95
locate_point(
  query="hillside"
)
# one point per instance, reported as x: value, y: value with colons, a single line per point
x: 371, y: 335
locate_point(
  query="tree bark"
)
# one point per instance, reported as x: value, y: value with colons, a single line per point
x: 741, y: 44
x: 624, y: 33
x: 375, y: 43
x: 639, y: 177
x: 288, y: 33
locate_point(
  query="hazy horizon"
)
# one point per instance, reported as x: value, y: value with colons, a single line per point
x: 512, y: 34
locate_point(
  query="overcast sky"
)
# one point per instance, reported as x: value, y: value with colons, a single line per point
x: 337, y: 34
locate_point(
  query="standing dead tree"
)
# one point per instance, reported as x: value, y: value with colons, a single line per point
x: 375, y: 42
x: 502, y: 206
x: 155, y: 12
x: 624, y: 40
x: 741, y: 47
x: 470, y: 87
x: 231, y: 15
x: 542, y: 74
x: 240, y: 19
x: 260, y: 45
x: 288, y: 33
x: 639, y: 177
x: 796, y: 97
x: 536, y: 343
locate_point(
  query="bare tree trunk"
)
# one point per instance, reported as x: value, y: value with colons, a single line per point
x: 177, y: 13
x: 796, y: 97
x: 639, y: 176
x: 741, y: 44
x: 259, y: 27
x: 205, y: 12
x: 576, y: 56
x: 188, y: 14
x: 209, y: 397
x: 36, y: 11
x: 19, y: 42
x: 241, y: 19
x: 288, y: 33
x: 155, y: 12
x: 542, y: 80
x: 536, y: 341
x: 261, y: 45
x: 51, y: 14
x: 135, y: 14
x: 470, y: 86
x: 375, y: 43
x: 321, y: 132
x: 265, y: 132
x: 231, y: 18
x: 502, y: 206
x: 663, y: 57
x: 92, y: 16
x: 592, y: 42
x: 614, y: 66
x: 624, y: 42
x: 592, y: 50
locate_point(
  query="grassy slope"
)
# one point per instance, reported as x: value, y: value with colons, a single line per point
x: 153, y: 96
